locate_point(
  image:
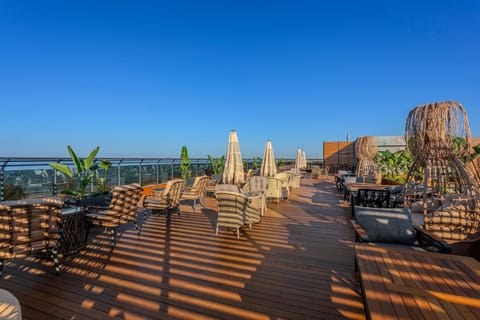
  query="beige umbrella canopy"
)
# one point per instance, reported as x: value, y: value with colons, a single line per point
x: 298, y: 159
x: 268, y: 168
x: 301, y: 159
x: 304, y: 160
x: 233, y: 170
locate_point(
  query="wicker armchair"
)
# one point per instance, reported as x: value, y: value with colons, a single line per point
x: 30, y: 226
x: 277, y: 189
x: 258, y: 186
x: 122, y: 209
x: 165, y: 200
x: 196, y: 191
x: 235, y: 211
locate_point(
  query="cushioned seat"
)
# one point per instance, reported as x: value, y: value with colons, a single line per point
x: 196, y: 191
x: 166, y: 200
x: 121, y: 210
x: 385, y: 226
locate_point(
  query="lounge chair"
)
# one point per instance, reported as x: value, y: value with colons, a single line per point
x: 196, y: 191
x: 394, y: 227
x: 166, y: 200
x: 121, y: 210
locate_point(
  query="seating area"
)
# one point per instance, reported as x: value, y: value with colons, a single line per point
x: 289, y: 249
x: 178, y: 268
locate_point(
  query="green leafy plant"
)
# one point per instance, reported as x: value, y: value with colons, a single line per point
x: 105, y: 165
x: 257, y: 162
x: 83, y: 174
x: 393, y: 165
x: 13, y: 192
x: 217, y: 164
x: 280, y: 162
x: 185, y: 170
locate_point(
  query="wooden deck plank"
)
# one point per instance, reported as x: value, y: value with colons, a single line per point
x: 429, y: 285
x: 297, y: 263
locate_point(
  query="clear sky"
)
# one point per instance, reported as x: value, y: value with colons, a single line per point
x: 143, y: 78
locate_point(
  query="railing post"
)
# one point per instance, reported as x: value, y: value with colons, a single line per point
x: 54, y: 182
x: 140, y: 172
x: 119, y: 172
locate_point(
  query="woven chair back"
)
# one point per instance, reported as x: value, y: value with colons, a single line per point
x: 28, y: 226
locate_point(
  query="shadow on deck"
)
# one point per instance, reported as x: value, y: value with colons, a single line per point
x: 297, y: 263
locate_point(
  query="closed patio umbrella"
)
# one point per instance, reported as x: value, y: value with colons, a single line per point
x: 304, y: 160
x: 268, y: 168
x: 233, y: 170
x: 298, y: 159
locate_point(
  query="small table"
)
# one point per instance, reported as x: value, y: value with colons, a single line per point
x: 354, y: 186
x: 409, y: 284
x: 74, y: 232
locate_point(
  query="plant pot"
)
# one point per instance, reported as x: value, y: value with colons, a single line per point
x: 101, y: 200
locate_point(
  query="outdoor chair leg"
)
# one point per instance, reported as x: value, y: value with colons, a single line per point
x: 216, y: 233
x: 178, y: 210
x: 55, y: 261
x: 113, y: 236
x: 1, y: 268
x: 146, y: 214
x: 238, y: 233
x: 136, y: 227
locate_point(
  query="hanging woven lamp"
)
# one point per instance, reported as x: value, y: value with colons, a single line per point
x: 438, y: 182
x: 366, y: 149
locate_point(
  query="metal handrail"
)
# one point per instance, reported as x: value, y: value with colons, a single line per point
x: 17, y: 174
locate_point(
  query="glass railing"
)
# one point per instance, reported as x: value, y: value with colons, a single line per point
x: 33, y: 177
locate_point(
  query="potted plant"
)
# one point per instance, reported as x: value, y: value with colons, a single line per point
x: 393, y: 166
x: 217, y: 165
x: 84, y: 175
x: 185, y: 170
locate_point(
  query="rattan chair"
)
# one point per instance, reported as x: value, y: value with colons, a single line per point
x: 277, y: 189
x: 166, y: 200
x: 235, y: 211
x: 287, y: 180
x: 30, y: 226
x: 258, y: 186
x: 122, y: 209
x: 196, y: 191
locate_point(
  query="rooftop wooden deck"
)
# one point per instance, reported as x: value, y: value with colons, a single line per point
x: 296, y: 264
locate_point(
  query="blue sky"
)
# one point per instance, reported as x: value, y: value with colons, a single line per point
x: 143, y: 78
